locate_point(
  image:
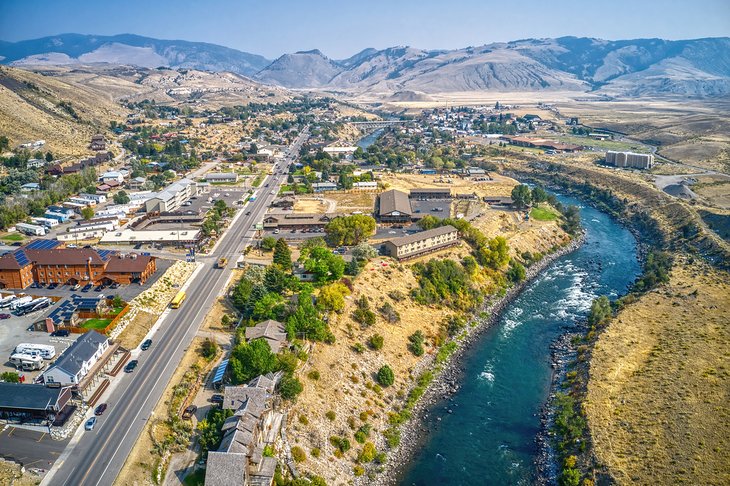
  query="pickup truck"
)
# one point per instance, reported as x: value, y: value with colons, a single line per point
x: 222, y: 261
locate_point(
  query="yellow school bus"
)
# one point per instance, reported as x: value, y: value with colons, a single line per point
x: 178, y: 300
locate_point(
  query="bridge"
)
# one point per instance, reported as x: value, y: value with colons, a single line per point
x: 379, y: 123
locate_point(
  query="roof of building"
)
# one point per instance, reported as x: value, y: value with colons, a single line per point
x: 14, y: 260
x: 124, y: 235
x: 128, y: 264
x: 250, y: 397
x: 65, y: 256
x: 30, y: 397
x: 221, y: 175
x: 225, y: 468
x: 394, y: 200
x: 273, y: 331
x: 422, y: 235
x: 80, y: 351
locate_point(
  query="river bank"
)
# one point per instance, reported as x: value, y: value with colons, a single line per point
x: 448, y: 380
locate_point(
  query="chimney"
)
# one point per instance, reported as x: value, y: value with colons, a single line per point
x: 88, y: 269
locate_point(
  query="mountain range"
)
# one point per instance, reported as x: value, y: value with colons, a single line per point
x: 641, y: 67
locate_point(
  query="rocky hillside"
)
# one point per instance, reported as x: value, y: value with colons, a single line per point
x: 64, y: 114
x: 130, y: 49
x: 644, y: 67
x: 306, y: 69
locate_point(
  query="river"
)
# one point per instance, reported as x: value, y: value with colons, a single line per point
x: 489, y: 436
x: 369, y: 139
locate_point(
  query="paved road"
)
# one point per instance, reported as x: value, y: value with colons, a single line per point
x: 99, y: 455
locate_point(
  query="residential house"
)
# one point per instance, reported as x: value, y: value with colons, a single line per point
x: 78, y: 359
x: 272, y: 331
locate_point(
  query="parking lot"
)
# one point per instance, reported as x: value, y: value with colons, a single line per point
x: 441, y: 208
x: 14, y: 330
x: 29, y: 448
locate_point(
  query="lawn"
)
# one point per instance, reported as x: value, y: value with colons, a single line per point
x: 543, y: 214
x: 259, y: 179
x: 13, y: 237
x: 96, y: 323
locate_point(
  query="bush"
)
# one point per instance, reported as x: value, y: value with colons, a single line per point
x: 516, y: 272
x: 389, y: 313
x: 358, y: 470
x: 376, y: 342
x: 331, y: 415
x: 315, y: 452
x: 290, y: 387
x: 368, y: 453
x: 444, y: 282
x: 208, y: 349
x: 415, y: 344
x: 386, y: 377
x: 362, y: 433
x: 341, y: 443
x: 313, y: 375
x: 392, y: 436
x: 298, y: 454
x: 363, y: 314
x: 268, y: 243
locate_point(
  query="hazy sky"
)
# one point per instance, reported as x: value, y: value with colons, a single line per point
x: 342, y: 28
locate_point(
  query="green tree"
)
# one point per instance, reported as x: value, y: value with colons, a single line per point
x: 277, y: 280
x: 539, y: 195
x: 4, y: 143
x: 209, y: 348
x: 349, y: 230
x: 368, y: 453
x: 516, y: 272
x: 49, y: 157
x: 282, y: 254
x: 249, y: 360
x: 121, y: 197
x: 600, y: 311
x: 270, y: 306
x: 290, y: 387
x: 87, y: 213
x: 385, y: 376
x: 325, y: 265
x: 521, y: 196
x: 571, y: 216
x: 305, y: 322
x: 268, y: 243
x: 10, y: 377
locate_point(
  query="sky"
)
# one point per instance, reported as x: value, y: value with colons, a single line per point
x: 343, y: 28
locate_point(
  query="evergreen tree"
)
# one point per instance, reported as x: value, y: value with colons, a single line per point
x: 282, y: 254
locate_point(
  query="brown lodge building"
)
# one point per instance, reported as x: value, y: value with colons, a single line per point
x: 22, y: 267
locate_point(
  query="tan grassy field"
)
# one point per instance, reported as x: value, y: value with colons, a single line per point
x: 30, y: 110
x: 658, y: 394
x: 353, y: 201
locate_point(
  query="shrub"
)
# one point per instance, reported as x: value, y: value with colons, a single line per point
x: 303, y: 420
x: 315, y: 452
x: 363, y: 314
x: 444, y: 282
x: 396, y: 295
x: 331, y: 415
x: 415, y: 344
x: 386, y: 376
x: 290, y: 387
x: 362, y: 433
x: 368, y: 453
x: 392, y: 436
x: 376, y: 342
x: 358, y: 470
x: 313, y: 375
x: 358, y: 348
x: 341, y: 443
x: 269, y: 450
x: 298, y: 454
x: 389, y: 313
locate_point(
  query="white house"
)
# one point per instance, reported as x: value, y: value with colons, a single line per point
x: 78, y: 359
x: 35, y: 163
x: 112, y: 176
x: 99, y: 198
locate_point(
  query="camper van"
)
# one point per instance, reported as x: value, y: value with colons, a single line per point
x: 33, y: 306
x: 6, y: 301
x: 21, y: 301
x: 45, y: 351
x: 27, y: 362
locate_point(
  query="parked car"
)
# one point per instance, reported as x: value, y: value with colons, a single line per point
x: 87, y: 287
x: 100, y: 409
x: 146, y: 345
x: 76, y: 287
x: 131, y: 366
x: 99, y: 288
x: 60, y: 333
x: 189, y: 412
x: 276, y: 231
x: 90, y: 423
x: 52, y: 286
x: 34, y: 285
x: 5, y: 316
x: 115, y: 285
x: 217, y: 398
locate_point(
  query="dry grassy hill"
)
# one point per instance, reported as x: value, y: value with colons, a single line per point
x: 63, y: 113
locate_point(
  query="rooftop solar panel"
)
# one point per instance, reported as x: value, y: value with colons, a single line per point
x: 21, y: 258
